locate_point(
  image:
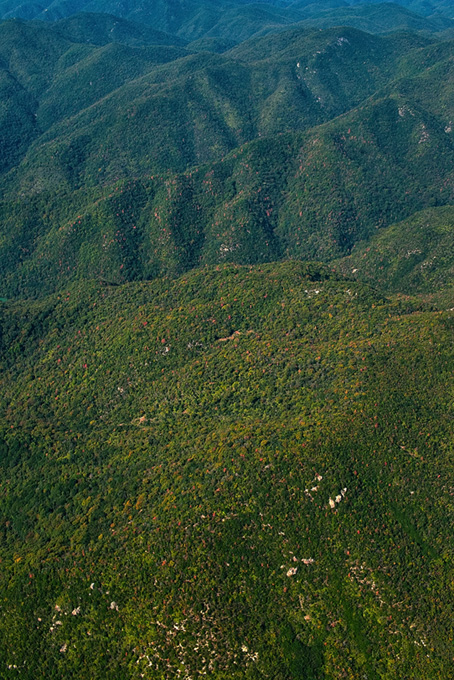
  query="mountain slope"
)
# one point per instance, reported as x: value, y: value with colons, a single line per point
x: 18, y: 126
x: 92, y: 78
x: 306, y: 195
x: 100, y: 29
x: 30, y: 52
x: 415, y: 255
x: 148, y: 168
x: 244, y: 473
x: 202, y: 107
x: 378, y: 18
x: 197, y: 17
x: 216, y: 458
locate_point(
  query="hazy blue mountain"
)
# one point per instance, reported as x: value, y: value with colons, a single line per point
x: 100, y: 29
x: 193, y: 19
x: 378, y: 18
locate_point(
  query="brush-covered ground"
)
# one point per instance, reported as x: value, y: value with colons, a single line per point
x: 245, y: 472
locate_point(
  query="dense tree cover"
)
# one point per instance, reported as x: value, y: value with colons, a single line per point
x: 240, y: 19
x: 379, y: 18
x: 127, y: 161
x: 149, y: 108
x: 415, y: 255
x: 101, y: 29
x: 212, y: 463
x: 245, y: 472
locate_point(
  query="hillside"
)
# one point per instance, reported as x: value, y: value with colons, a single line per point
x: 415, y: 255
x: 294, y: 145
x: 307, y: 195
x: 245, y: 472
x: 189, y: 19
x: 100, y: 29
x: 192, y: 19
x: 226, y: 340
x: 200, y: 107
x: 378, y: 18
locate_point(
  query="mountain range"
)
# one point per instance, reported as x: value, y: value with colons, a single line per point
x: 128, y: 160
x: 226, y: 340
x: 193, y: 19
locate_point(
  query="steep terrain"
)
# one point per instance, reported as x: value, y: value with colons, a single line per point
x: 415, y: 255
x: 151, y: 168
x: 198, y: 108
x: 194, y: 18
x: 226, y: 340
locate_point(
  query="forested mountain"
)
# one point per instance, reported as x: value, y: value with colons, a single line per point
x: 416, y: 255
x: 378, y: 18
x: 170, y: 160
x: 243, y: 473
x: 100, y: 29
x: 226, y: 340
x: 194, y: 18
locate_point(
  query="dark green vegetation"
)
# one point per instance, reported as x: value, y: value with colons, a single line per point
x: 378, y: 18
x: 226, y: 341
x: 193, y: 19
x: 127, y: 160
x: 169, y: 453
x: 416, y: 255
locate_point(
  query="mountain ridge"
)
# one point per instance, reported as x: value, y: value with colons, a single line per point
x: 226, y: 343
x: 310, y: 194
